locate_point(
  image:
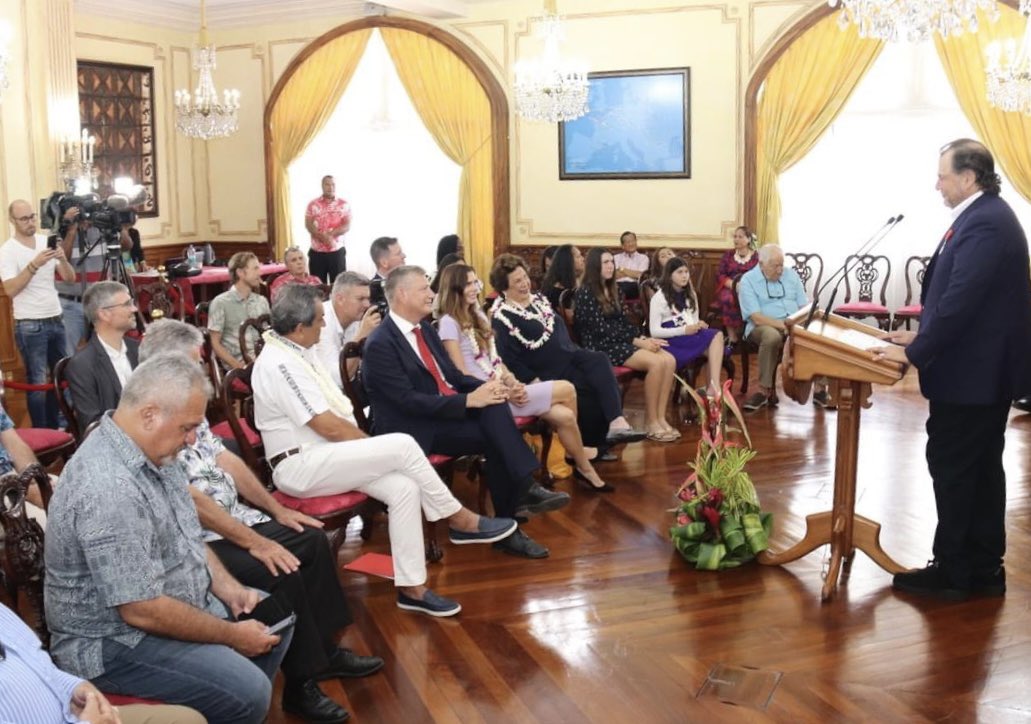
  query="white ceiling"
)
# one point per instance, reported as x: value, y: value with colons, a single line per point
x: 185, y: 14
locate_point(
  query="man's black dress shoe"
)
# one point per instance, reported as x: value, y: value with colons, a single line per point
x: 932, y: 582
x: 520, y: 544
x: 346, y: 664
x: 540, y: 500
x: 305, y: 699
x: 990, y: 585
x: 629, y: 434
x: 1023, y: 404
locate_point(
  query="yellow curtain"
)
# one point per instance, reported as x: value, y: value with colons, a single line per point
x: 456, y: 111
x: 1008, y: 135
x: 802, y: 95
x: 301, y: 111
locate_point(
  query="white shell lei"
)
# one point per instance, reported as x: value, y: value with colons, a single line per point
x: 537, y: 311
x: 487, y: 361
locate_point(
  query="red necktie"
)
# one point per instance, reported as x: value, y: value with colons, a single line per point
x: 431, y: 363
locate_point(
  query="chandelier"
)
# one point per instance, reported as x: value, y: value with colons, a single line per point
x: 1009, y: 70
x: 913, y: 20
x: 550, y: 88
x: 77, y: 171
x: 202, y: 115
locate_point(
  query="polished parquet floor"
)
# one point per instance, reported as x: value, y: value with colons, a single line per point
x: 615, y: 627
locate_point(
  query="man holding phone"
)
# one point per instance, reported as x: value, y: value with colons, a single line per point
x: 350, y: 317
x: 27, y: 268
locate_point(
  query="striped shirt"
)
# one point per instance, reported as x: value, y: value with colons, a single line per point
x: 32, y: 689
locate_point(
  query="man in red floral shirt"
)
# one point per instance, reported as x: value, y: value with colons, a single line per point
x: 296, y: 272
x: 327, y: 218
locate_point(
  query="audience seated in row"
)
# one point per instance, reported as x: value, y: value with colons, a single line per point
x: 242, y: 301
x: 315, y: 448
x: 349, y: 317
x: 296, y: 272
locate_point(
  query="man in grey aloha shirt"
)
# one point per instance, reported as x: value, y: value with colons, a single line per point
x: 135, y: 601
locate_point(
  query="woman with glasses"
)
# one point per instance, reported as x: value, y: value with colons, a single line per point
x: 673, y: 316
x: 603, y: 326
x: 469, y: 341
x: 733, y: 265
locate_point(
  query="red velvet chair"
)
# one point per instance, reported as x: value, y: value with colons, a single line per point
x: 866, y: 289
x: 916, y: 268
x: 47, y: 444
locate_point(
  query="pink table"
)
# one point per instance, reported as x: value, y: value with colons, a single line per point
x: 212, y: 281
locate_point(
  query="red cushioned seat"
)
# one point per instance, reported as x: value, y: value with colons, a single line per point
x: 43, y: 438
x: 323, y: 504
x: 122, y: 700
x: 222, y: 429
x: 621, y: 370
x: 524, y: 420
x: 910, y: 310
x: 437, y: 459
x: 861, y: 308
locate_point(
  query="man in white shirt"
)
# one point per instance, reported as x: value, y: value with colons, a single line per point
x: 315, y: 449
x: 630, y: 265
x: 350, y: 317
x: 27, y: 271
x: 98, y: 371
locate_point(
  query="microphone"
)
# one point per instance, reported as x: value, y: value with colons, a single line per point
x: 846, y: 269
x: 874, y: 239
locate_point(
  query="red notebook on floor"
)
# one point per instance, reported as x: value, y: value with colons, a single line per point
x: 375, y: 564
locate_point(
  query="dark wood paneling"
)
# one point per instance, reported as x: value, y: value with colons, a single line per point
x: 158, y: 253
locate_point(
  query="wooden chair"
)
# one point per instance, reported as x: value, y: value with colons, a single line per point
x: 335, y: 511
x: 61, y: 383
x: 809, y: 268
x: 871, y: 271
x: 47, y: 444
x: 259, y: 325
x: 160, y: 299
x: 916, y: 268
x: 444, y: 464
x: 21, y: 549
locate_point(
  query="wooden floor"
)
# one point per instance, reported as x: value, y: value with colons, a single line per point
x: 615, y: 627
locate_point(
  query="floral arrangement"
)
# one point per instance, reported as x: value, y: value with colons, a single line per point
x: 719, y: 523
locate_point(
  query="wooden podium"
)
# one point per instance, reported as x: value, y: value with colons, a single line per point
x: 837, y: 348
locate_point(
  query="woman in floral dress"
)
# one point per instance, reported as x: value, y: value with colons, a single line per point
x: 733, y: 265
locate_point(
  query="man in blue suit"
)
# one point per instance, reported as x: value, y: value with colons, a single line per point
x: 973, y: 352
x: 415, y: 388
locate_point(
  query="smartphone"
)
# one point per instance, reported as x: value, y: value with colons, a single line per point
x: 52, y: 242
x: 286, y: 622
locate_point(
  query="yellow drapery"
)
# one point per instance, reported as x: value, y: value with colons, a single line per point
x: 300, y: 113
x: 456, y: 110
x: 1005, y: 134
x: 802, y: 95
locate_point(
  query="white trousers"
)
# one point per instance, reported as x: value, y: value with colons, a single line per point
x: 390, y: 468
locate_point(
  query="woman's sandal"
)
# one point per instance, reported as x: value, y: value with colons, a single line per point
x: 663, y: 436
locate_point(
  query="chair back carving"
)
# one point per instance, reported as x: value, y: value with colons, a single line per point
x: 253, y: 327
x: 21, y: 556
x: 200, y: 314
x: 809, y: 268
x: 238, y: 404
x: 868, y: 278
x: 61, y: 393
x: 916, y: 268
x: 160, y: 299
x: 353, y: 388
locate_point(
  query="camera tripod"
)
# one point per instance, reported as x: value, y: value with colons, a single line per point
x: 113, y: 270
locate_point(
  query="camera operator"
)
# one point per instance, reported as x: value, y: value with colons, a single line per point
x: 130, y: 240
x: 27, y: 271
x: 350, y: 317
x: 84, y: 248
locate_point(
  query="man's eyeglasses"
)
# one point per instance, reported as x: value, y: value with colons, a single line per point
x: 780, y: 288
x: 128, y: 303
x: 23, y: 219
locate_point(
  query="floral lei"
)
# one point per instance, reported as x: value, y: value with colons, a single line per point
x: 488, y: 360
x: 538, y: 310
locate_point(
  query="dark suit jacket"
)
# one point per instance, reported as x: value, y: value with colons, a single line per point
x: 402, y: 392
x: 92, y: 380
x: 974, y: 343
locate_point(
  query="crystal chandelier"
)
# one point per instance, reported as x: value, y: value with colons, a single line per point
x: 1009, y: 70
x: 201, y: 115
x: 77, y: 171
x: 550, y: 88
x: 913, y: 20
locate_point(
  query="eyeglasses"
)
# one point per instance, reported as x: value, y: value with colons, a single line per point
x: 769, y: 290
x: 23, y: 219
x: 128, y: 304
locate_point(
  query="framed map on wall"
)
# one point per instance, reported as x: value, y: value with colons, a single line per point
x: 638, y: 126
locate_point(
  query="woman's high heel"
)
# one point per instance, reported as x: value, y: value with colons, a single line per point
x: 584, y: 482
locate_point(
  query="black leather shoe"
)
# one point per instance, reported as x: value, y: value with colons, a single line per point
x: 346, y: 664
x: 540, y: 500
x: 991, y: 585
x: 584, y: 482
x: 305, y: 699
x: 629, y: 434
x: 1023, y: 404
x: 931, y: 581
x: 520, y: 544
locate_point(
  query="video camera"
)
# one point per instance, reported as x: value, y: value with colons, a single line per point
x: 378, y: 297
x: 107, y: 216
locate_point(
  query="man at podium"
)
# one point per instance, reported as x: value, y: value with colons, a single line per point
x: 973, y: 352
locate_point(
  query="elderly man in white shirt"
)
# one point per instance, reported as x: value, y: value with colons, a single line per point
x: 97, y: 372
x: 315, y: 448
x: 350, y: 317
